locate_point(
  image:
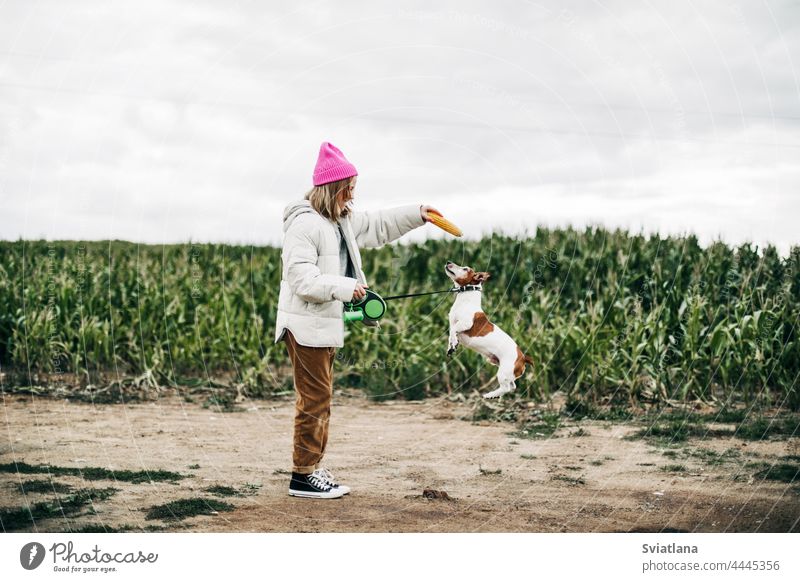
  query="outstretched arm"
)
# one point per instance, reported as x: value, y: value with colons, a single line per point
x: 376, y: 228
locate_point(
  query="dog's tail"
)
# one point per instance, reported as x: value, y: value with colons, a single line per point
x: 519, y: 364
x: 528, y: 360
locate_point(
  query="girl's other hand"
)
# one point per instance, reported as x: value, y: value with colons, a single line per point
x: 360, y: 292
x: 426, y: 209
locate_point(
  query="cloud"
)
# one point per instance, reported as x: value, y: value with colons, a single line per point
x: 164, y: 121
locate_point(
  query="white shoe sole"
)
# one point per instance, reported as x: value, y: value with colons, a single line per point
x: 333, y: 494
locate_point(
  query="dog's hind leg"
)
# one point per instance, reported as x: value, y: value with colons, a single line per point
x: 505, y: 377
x: 504, y: 389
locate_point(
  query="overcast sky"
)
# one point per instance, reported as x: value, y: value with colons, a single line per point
x: 165, y: 121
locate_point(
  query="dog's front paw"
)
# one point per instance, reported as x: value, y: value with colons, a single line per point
x: 450, y: 351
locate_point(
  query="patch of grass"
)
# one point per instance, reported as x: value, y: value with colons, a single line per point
x: 763, y: 428
x: 570, y: 480
x: 675, y: 430
x: 674, y: 468
x: 251, y: 488
x: 16, y: 518
x: 615, y: 414
x: 572, y: 468
x: 528, y: 457
x: 93, y: 473
x: 153, y: 527
x: 671, y: 415
x: 713, y: 457
x: 124, y: 528
x: 149, y: 528
x: 100, y: 528
x: 222, y: 402
x: 727, y: 415
x: 596, y: 462
x: 183, y: 508
x: 708, y: 456
x: 581, y: 432
x: 484, y: 410
x: 223, y: 491
x: 543, y: 427
x: 755, y: 430
x: 489, y: 472
x: 43, y: 486
x: 784, y: 472
x: 195, y: 466
x: 580, y: 409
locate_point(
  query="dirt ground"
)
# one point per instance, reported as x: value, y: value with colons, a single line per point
x: 389, y: 453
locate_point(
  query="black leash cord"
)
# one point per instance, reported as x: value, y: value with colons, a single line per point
x: 451, y: 290
x: 418, y: 294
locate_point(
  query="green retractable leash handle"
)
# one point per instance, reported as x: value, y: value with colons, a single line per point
x: 371, y: 308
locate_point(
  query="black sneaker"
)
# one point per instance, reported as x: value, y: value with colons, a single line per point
x: 312, y: 485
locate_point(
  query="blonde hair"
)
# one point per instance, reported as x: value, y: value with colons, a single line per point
x: 323, y: 199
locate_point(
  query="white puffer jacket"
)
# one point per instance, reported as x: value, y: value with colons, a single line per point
x: 312, y: 291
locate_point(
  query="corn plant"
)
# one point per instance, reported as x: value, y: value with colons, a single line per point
x: 608, y: 316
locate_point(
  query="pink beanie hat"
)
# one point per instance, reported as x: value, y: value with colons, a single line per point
x: 332, y: 165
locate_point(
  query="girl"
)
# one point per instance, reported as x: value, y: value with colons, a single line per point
x: 321, y: 270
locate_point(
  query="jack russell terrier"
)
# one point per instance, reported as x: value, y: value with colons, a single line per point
x: 470, y: 326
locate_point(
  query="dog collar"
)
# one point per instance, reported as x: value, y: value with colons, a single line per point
x: 466, y: 288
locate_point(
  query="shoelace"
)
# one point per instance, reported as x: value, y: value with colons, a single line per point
x: 319, y: 481
x: 327, y: 475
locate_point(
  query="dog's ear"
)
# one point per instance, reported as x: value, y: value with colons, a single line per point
x: 480, y: 277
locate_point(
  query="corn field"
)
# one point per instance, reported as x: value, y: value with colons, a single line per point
x: 608, y: 317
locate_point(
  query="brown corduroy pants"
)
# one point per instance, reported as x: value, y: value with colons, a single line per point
x: 313, y: 383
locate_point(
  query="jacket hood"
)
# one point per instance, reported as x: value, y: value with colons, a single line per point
x: 293, y: 210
